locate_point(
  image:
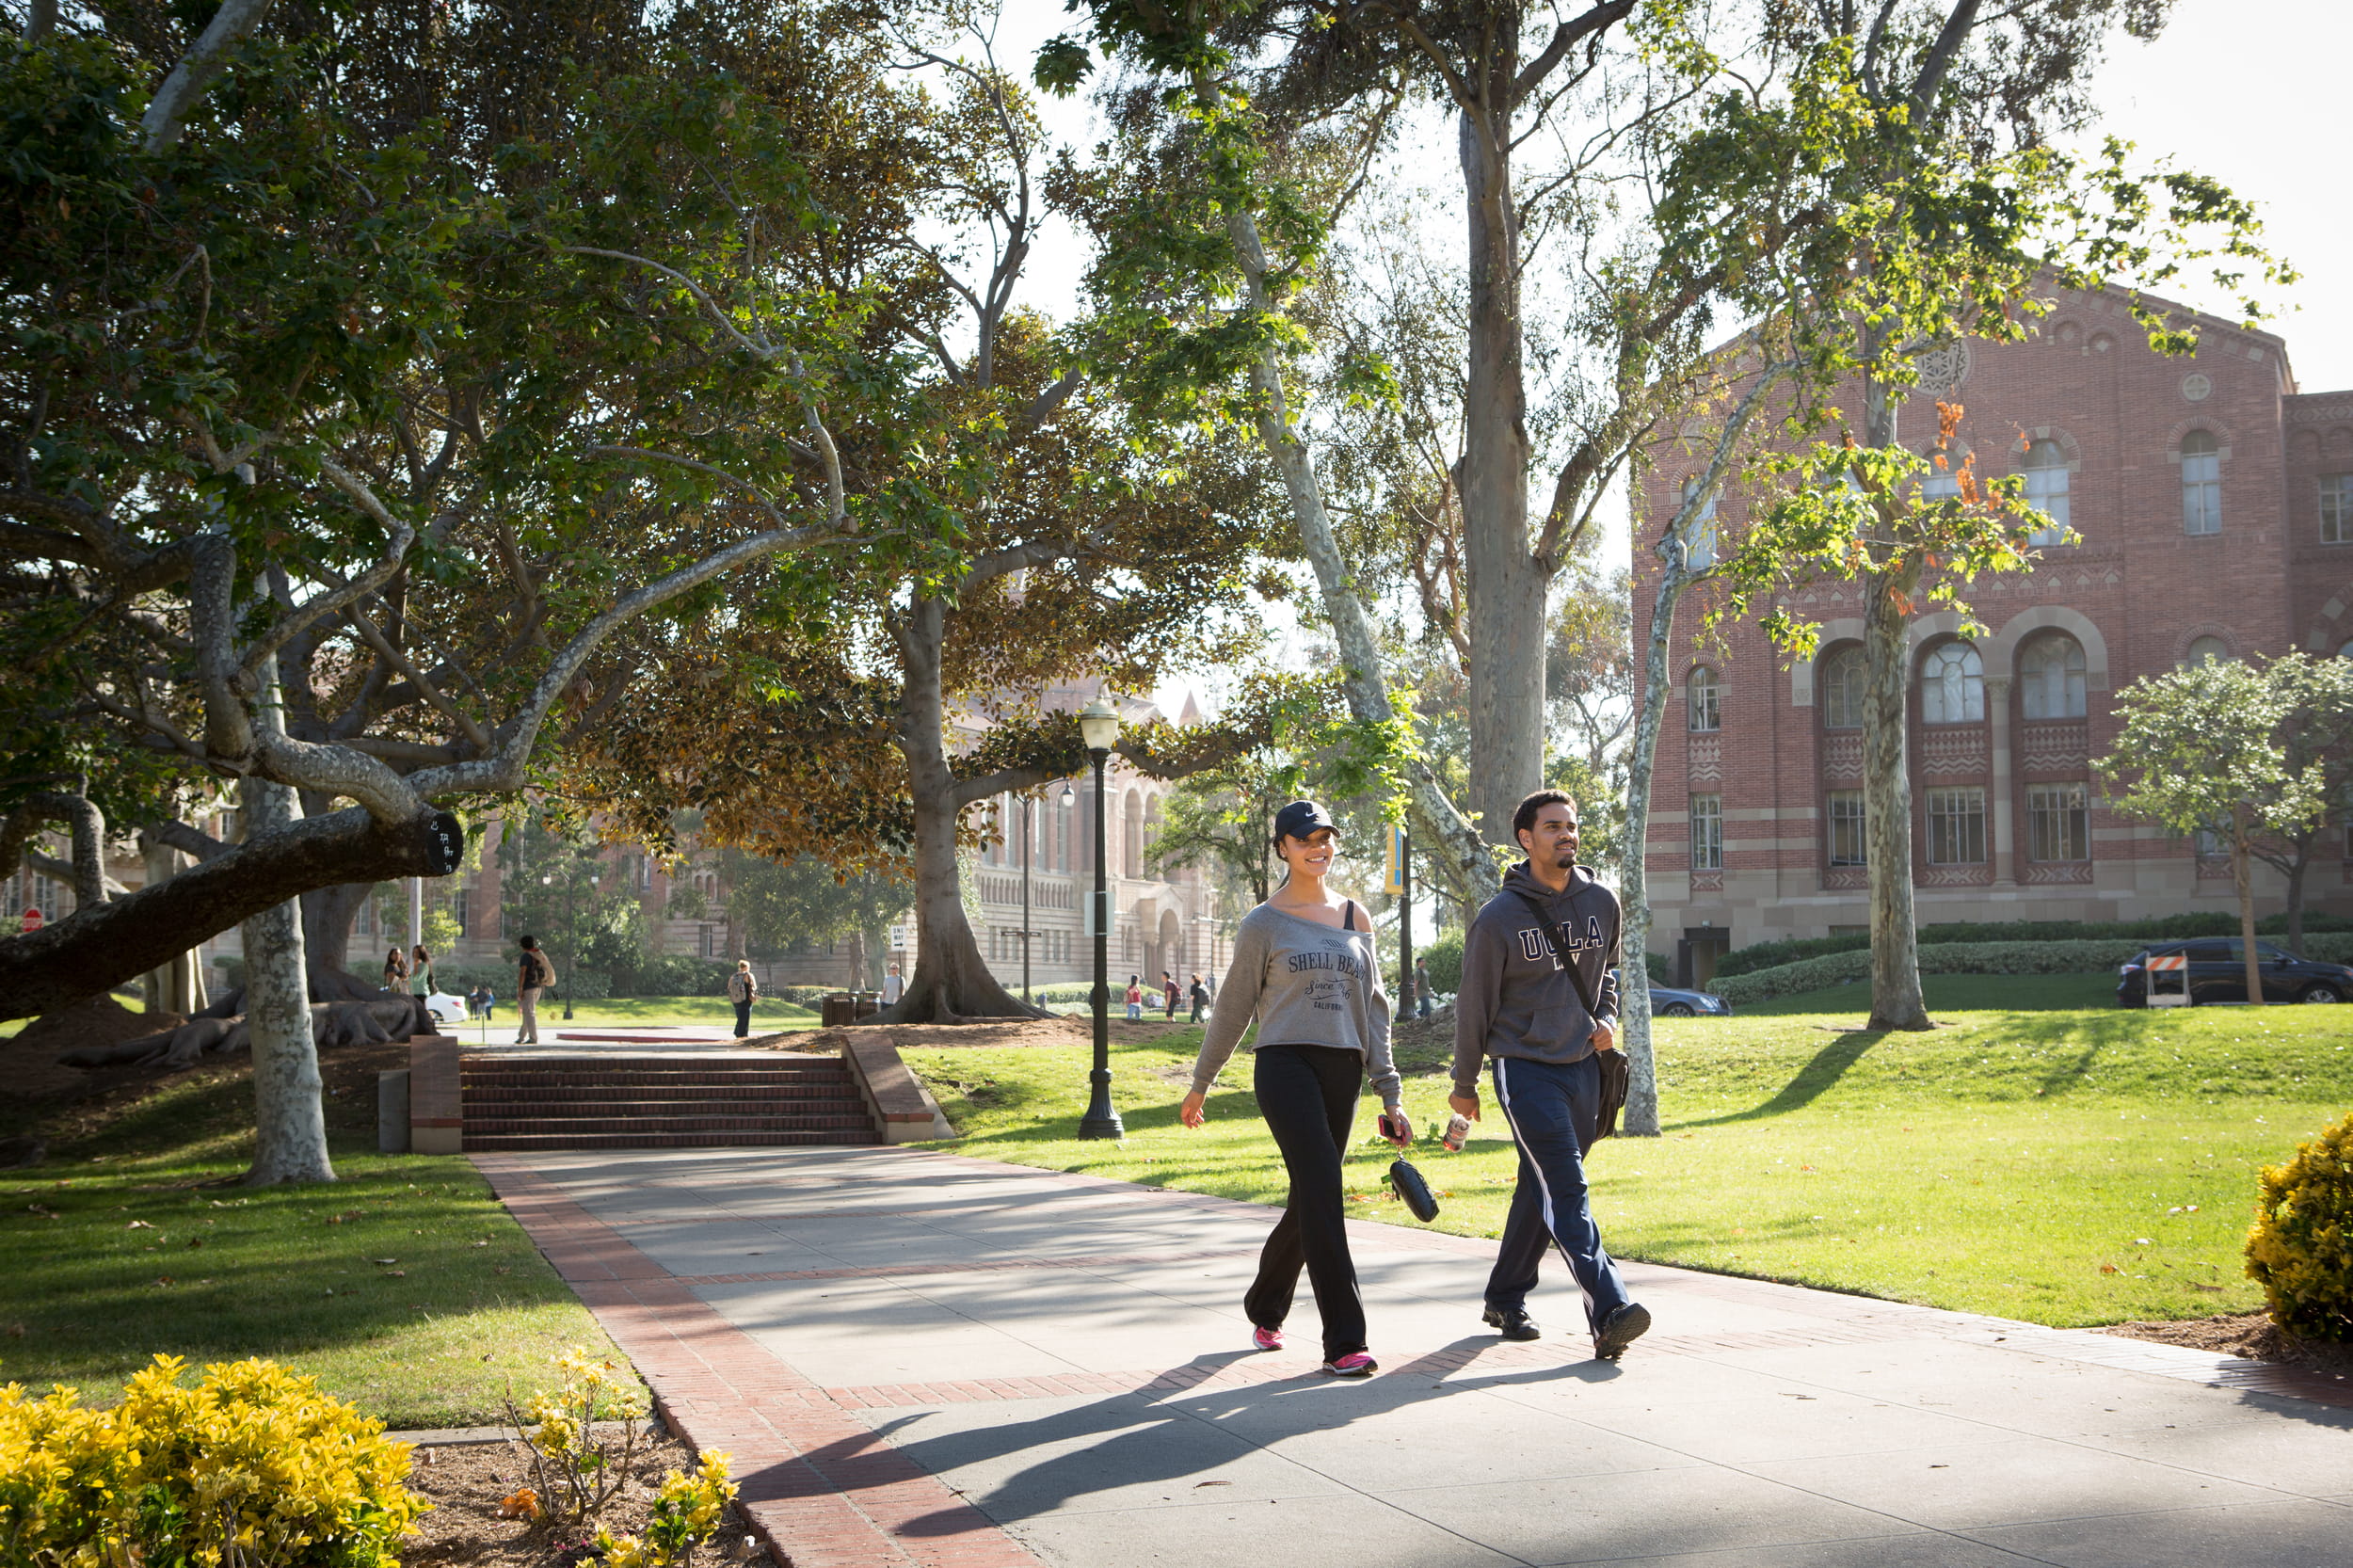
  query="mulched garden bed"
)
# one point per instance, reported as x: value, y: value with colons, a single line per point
x: 2252, y: 1335
x: 467, y: 1482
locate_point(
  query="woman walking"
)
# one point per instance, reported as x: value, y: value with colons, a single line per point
x: 1304, y: 966
x: 421, y: 987
x: 1135, y: 997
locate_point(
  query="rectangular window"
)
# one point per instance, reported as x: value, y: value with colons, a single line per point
x: 1957, y: 826
x: 2059, y: 822
x: 1708, y: 833
x: 1847, y: 843
x: 461, y: 904
x: 2201, y: 492
x: 2336, y: 508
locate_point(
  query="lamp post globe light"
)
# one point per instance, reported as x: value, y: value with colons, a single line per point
x: 1099, y: 726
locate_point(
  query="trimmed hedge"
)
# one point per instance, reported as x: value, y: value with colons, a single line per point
x: 1767, y: 955
x: 2085, y: 957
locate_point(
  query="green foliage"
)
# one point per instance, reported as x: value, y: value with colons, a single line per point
x: 778, y: 904
x: 2301, y: 1249
x: 2205, y: 922
x: 2016, y: 957
x: 253, y: 1467
x: 2206, y: 746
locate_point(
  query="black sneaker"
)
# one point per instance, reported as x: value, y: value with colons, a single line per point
x: 1619, y: 1330
x: 1512, y: 1323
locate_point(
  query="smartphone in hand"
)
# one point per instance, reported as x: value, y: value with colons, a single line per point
x: 1396, y: 1129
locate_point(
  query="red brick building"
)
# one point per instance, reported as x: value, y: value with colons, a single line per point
x: 2214, y: 505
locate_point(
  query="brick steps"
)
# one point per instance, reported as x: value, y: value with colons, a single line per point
x: 676, y: 1101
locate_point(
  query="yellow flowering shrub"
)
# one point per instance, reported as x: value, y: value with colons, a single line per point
x: 2301, y: 1247
x: 574, y: 1472
x: 683, y: 1514
x: 252, y: 1467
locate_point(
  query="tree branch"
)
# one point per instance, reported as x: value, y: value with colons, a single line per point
x: 208, y: 57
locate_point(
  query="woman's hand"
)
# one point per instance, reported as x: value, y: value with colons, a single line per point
x: 1397, y: 1127
x: 1189, y: 1111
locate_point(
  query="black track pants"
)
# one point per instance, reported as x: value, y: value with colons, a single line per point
x: 1308, y: 1095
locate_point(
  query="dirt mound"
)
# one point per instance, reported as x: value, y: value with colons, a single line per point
x: 28, y: 1063
x: 2252, y: 1334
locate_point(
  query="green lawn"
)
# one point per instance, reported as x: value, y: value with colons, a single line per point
x: 2067, y: 1166
x: 768, y: 1014
x: 403, y: 1286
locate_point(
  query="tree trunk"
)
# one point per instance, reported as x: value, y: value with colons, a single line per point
x: 1457, y: 851
x: 1507, y: 586
x: 290, y: 1118
x: 1640, y: 1118
x: 2243, y: 879
x: 2296, y: 870
x: 950, y: 981
x: 327, y: 915
x: 1896, y: 998
x: 176, y: 985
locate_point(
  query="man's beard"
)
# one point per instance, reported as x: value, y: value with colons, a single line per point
x: 1567, y: 857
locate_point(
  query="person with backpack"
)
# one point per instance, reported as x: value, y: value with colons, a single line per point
x: 532, y: 975
x: 742, y: 990
x: 1538, y: 999
x: 1307, y: 968
x: 1200, y: 998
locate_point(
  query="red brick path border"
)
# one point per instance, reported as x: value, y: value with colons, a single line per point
x: 820, y: 1489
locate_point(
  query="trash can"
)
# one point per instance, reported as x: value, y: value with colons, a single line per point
x: 868, y: 1003
x: 837, y: 1010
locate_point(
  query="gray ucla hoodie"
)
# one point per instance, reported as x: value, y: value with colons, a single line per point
x: 1516, y: 1000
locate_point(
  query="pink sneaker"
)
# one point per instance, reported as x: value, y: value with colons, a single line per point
x: 1355, y: 1364
x: 1267, y: 1339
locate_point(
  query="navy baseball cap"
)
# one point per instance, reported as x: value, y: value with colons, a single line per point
x: 1301, y: 818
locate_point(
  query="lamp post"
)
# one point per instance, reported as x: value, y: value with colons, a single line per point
x: 1026, y: 805
x: 1098, y: 725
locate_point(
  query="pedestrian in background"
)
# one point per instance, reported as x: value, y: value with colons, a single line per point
x: 1200, y: 998
x: 1135, y: 996
x: 892, y: 987
x: 1168, y: 996
x: 1421, y: 987
x: 742, y: 990
x: 421, y: 986
x: 396, y: 971
x: 1307, y: 968
x: 532, y: 975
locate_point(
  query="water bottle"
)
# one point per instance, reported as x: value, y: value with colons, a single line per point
x: 1457, y: 1130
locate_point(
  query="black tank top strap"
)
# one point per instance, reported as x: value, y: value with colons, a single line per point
x: 1348, y: 917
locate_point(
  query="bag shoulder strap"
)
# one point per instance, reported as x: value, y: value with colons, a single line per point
x: 1558, y: 946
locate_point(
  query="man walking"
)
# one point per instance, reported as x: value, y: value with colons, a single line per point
x: 533, y: 975
x: 742, y: 990
x: 1200, y: 994
x: 1421, y: 987
x: 1539, y: 999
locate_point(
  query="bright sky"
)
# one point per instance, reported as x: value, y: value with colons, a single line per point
x: 2247, y: 93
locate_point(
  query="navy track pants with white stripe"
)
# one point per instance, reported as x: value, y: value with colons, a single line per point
x: 1552, y: 1111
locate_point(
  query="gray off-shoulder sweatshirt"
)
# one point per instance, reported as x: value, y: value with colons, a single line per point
x: 1307, y: 984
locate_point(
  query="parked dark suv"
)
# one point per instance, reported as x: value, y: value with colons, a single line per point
x: 2218, y: 972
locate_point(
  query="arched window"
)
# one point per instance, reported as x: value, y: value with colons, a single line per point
x: 1702, y: 537
x: 1944, y: 483
x: 1842, y: 689
x: 1703, y: 691
x: 2046, y: 488
x: 2207, y: 650
x: 1952, y: 686
x: 2053, y: 675
x: 2201, y: 483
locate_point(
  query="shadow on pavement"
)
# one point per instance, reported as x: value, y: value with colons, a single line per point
x: 1163, y: 1436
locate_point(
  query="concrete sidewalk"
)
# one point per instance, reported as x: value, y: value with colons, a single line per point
x: 922, y: 1358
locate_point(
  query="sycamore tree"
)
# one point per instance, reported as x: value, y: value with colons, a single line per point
x: 1922, y: 138
x: 2241, y: 751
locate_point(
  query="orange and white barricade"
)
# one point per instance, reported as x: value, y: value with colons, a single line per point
x: 2176, y: 964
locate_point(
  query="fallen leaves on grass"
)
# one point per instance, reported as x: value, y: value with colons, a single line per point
x: 522, y: 1504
